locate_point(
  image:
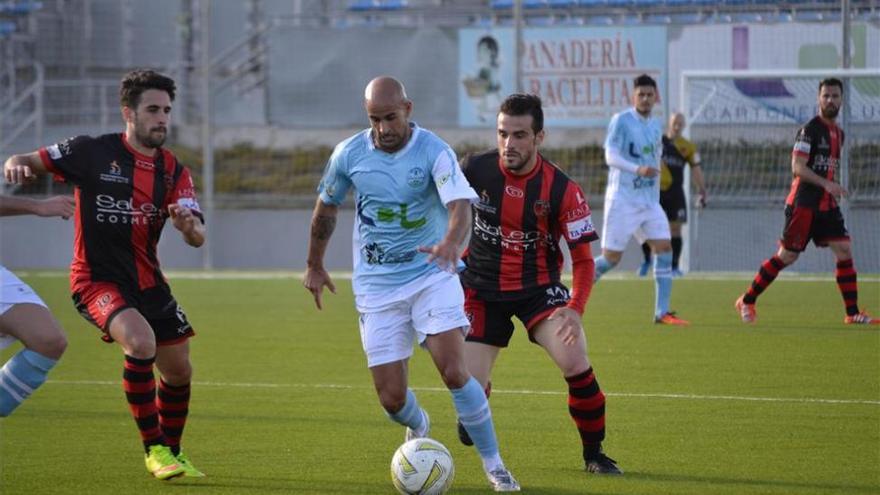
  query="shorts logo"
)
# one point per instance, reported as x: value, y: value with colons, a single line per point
x: 513, y: 191
x: 182, y: 317
x: 557, y: 295
x: 105, y: 303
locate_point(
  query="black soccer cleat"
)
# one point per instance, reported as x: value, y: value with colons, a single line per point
x: 463, y: 435
x: 602, y: 464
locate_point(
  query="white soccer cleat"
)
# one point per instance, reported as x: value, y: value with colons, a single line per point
x: 411, y: 434
x: 502, y: 481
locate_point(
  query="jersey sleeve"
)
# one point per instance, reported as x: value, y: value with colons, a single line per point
x: 335, y: 182
x: 575, y: 217
x: 449, y: 179
x: 616, y: 136
x: 803, y: 143
x: 184, y: 194
x: 67, y: 159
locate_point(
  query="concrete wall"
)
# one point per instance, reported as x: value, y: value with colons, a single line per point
x: 728, y: 240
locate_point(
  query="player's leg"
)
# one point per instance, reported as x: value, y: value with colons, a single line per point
x: 646, y: 260
x: 586, y: 402
x: 676, y: 242
x: 619, y: 223
x: 44, y: 343
x: 655, y: 227
x: 674, y: 205
x: 795, y: 236
x: 440, y: 322
x: 845, y: 273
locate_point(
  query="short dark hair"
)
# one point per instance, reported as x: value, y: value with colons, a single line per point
x: 644, y: 80
x: 525, y: 104
x: 137, y: 81
x: 831, y: 81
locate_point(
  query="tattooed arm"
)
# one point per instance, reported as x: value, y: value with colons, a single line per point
x: 323, y: 224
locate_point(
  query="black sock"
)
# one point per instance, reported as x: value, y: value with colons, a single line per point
x: 646, y: 250
x: 676, y: 252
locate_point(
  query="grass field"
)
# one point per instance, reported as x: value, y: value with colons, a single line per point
x: 282, y: 401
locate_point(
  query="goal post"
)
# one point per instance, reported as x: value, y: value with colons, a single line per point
x: 743, y: 123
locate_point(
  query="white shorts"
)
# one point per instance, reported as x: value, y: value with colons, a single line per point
x: 13, y: 291
x: 435, y: 305
x: 624, y: 220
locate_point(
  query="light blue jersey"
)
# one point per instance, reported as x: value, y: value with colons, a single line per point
x: 639, y: 140
x: 401, y: 200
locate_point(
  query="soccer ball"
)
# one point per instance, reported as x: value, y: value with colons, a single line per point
x: 422, y: 466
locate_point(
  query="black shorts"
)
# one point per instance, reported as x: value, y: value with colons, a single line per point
x: 491, y: 320
x: 100, y: 302
x: 803, y: 224
x: 674, y: 204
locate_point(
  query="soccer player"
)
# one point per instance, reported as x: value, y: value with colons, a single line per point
x: 632, y: 199
x: 514, y: 261
x: 25, y: 317
x: 127, y: 186
x: 812, y: 211
x: 412, y: 216
x: 677, y: 152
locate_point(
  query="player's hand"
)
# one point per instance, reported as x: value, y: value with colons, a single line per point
x: 314, y: 280
x: 445, y: 254
x: 16, y: 173
x: 182, y: 218
x: 702, y: 199
x: 56, y: 206
x: 835, y: 189
x: 569, y: 322
x: 645, y: 171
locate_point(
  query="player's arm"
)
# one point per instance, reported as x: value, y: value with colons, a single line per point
x: 614, y: 153
x: 800, y: 169
x: 697, y: 177
x: 446, y: 253
x: 323, y: 225
x: 19, y: 169
x: 188, y: 223
x: 56, y: 206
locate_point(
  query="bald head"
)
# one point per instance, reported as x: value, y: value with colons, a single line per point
x: 676, y: 125
x: 388, y: 109
x: 385, y: 90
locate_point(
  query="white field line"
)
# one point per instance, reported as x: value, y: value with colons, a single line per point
x: 613, y: 276
x: 329, y: 386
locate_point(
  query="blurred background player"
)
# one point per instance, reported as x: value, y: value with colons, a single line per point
x: 812, y: 210
x: 127, y: 186
x: 25, y: 317
x: 413, y: 215
x: 633, y: 148
x: 519, y: 275
x: 677, y: 152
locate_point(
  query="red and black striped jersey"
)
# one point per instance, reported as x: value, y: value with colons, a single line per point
x: 518, y: 224
x: 122, y: 199
x: 820, y: 142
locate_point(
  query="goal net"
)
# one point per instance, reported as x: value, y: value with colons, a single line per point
x: 744, y: 124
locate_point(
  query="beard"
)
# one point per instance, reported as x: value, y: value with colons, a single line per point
x: 153, y: 138
x: 830, y: 112
x: 515, y: 162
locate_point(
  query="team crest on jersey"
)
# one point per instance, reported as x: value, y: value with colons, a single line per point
x: 416, y: 178
x: 541, y: 208
x: 114, y: 174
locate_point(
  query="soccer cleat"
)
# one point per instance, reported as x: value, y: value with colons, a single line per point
x: 502, y: 481
x: 463, y: 435
x: 162, y: 464
x: 644, y: 268
x: 188, y: 469
x: 670, y: 319
x: 602, y: 464
x: 862, y: 318
x: 746, y: 311
x: 411, y: 434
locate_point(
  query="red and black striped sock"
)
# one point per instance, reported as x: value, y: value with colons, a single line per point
x: 140, y: 391
x: 586, y: 404
x: 172, y: 401
x: 849, y: 288
x: 770, y: 268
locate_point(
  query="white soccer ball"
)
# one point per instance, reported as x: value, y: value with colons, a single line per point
x: 422, y: 466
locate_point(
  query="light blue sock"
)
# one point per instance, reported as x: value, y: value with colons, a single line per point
x: 20, y: 376
x: 474, y: 413
x: 603, y: 266
x: 662, y: 283
x: 410, y: 414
